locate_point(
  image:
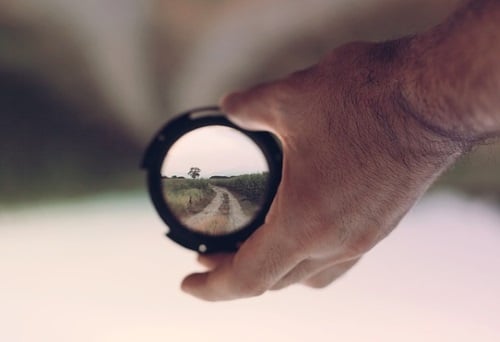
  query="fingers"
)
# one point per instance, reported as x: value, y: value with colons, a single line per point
x: 211, y: 261
x: 299, y: 273
x: 314, y: 273
x: 270, y: 106
x: 329, y: 275
x: 254, y: 109
x: 261, y: 261
x: 204, y: 285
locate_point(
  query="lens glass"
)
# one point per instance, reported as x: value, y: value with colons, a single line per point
x: 214, y: 180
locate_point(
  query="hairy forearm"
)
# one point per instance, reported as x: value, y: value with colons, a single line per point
x: 450, y: 76
x: 415, y: 104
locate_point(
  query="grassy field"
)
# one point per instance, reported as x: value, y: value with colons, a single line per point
x: 186, y: 197
x: 249, y: 189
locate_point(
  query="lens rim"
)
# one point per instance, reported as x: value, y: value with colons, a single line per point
x: 155, y: 155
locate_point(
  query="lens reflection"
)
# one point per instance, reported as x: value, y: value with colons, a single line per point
x: 215, y: 180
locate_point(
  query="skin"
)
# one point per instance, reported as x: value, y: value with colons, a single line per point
x: 374, y: 124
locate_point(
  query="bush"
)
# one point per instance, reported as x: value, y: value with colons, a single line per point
x: 187, y: 196
x: 251, y: 186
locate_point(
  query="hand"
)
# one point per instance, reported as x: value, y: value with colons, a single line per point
x: 354, y: 163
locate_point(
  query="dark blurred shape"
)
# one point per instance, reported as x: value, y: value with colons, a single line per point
x: 477, y: 174
x: 78, y: 100
x: 49, y: 149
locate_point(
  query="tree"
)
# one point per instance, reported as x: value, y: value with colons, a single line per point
x: 194, y: 172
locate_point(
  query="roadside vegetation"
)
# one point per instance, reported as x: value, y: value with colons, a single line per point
x: 249, y: 189
x: 187, y: 197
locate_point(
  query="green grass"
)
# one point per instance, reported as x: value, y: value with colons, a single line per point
x: 249, y: 189
x: 187, y: 196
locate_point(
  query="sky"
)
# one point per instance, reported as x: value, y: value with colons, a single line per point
x: 216, y: 150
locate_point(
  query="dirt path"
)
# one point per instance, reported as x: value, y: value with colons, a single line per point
x: 221, y: 216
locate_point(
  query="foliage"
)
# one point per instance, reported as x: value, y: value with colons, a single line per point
x: 194, y: 172
x: 250, y: 186
x: 187, y: 196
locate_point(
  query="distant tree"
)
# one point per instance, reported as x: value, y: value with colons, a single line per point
x: 194, y: 172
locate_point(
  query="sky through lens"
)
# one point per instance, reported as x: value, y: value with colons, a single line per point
x: 217, y: 151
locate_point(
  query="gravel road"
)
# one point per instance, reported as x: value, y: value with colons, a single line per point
x: 221, y: 216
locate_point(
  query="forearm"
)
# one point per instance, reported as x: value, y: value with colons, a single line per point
x: 450, y: 79
x: 411, y: 107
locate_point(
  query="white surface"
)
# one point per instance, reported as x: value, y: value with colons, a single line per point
x: 100, y: 270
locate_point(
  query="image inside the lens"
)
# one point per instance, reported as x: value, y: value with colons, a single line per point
x: 215, y: 180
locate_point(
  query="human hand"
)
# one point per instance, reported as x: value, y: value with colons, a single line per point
x: 354, y: 163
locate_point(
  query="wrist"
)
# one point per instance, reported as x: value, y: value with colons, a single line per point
x: 399, y: 118
x: 450, y: 76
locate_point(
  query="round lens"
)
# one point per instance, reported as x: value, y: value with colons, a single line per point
x: 214, y: 180
x: 210, y: 181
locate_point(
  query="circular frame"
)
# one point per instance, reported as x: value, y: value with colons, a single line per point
x: 153, y: 161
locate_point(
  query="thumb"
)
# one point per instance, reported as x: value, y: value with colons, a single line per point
x: 255, y: 108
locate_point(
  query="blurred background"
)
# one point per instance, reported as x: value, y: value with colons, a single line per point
x: 83, y: 87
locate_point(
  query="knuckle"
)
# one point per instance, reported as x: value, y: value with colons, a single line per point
x: 353, y: 239
x: 361, y: 243
x: 251, y: 287
x: 354, y: 250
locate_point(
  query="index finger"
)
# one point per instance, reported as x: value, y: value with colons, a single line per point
x: 255, y: 108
